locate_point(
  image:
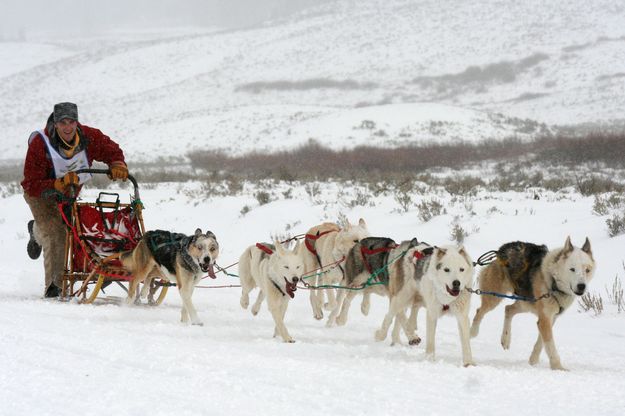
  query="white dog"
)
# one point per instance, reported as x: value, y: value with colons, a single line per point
x: 325, y: 245
x: 448, y: 272
x: 275, y: 271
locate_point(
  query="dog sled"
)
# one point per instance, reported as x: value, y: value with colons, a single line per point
x: 98, y: 232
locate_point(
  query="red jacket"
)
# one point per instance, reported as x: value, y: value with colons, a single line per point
x: 39, y: 171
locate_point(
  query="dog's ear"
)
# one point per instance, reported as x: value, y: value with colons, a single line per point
x: 586, y: 247
x: 440, y: 252
x: 296, y: 247
x: 465, y: 255
x: 568, y: 247
x: 211, y: 235
x: 362, y: 223
x: 198, y: 232
x: 414, y: 242
x: 279, y: 248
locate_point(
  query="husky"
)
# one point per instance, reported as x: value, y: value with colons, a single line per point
x: 404, y: 280
x: 275, y: 271
x: 328, y: 245
x: 549, y: 279
x: 443, y: 287
x: 172, y: 257
x: 366, y: 261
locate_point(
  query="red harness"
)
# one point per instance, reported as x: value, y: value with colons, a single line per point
x: 264, y: 248
x: 310, y: 239
x: 364, y: 252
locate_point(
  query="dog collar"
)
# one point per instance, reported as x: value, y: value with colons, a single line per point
x: 278, y: 287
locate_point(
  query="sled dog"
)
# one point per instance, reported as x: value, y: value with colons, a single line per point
x: 550, y: 279
x: 325, y: 245
x: 404, y: 279
x: 275, y: 271
x: 448, y: 273
x: 174, y: 257
x: 365, y: 262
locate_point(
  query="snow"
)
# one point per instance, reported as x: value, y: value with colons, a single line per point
x: 63, y: 358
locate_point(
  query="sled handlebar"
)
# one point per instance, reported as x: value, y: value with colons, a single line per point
x: 107, y: 172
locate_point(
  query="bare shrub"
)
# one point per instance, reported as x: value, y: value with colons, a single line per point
x: 464, y: 185
x: 362, y: 198
x: 616, y: 225
x: 596, y: 185
x: 458, y: 234
x: 262, y: 197
x: 245, y: 210
x: 430, y: 209
x: 288, y: 194
x: 404, y: 200
x: 615, y: 294
x: 591, y: 302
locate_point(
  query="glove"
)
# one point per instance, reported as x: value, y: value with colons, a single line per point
x: 70, y: 179
x: 118, y: 171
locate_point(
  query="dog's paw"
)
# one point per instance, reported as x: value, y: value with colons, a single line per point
x: 245, y: 302
x: 505, y: 340
x: 380, y: 335
x: 255, y: 310
x: 318, y: 316
x: 414, y: 341
x: 289, y: 340
x: 534, y: 359
x: 475, y: 330
x: 557, y: 366
x: 429, y: 356
x: 469, y: 364
x: 364, y: 307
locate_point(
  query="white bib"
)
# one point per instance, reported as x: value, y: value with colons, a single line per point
x: 61, y: 164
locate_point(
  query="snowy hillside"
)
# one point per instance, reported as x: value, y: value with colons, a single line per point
x: 323, y: 72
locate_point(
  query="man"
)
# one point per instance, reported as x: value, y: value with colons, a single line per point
x: 54, y: 153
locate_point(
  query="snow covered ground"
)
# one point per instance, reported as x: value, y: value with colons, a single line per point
x: 65, y: 358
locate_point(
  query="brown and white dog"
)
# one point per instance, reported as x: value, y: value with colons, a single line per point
x: 173, y: 257
x: 551, y: 279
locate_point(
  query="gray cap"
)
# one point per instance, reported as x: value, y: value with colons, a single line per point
x: 65, y: 110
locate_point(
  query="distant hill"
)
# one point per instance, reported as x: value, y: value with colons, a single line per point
x: 344, y: 73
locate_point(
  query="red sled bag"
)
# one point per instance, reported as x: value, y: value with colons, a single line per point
x: 104, y: 233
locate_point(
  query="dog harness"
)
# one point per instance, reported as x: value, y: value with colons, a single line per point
x: 364, y: 252
x: 310, y: 240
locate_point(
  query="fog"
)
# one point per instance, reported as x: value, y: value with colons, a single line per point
x: 22, y: 19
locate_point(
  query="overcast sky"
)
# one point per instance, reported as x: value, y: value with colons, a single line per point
x: 83, y: 16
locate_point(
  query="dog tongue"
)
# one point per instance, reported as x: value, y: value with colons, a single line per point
x: 290, y: 288
x: 211, y: 272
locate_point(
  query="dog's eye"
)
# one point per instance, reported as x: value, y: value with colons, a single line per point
x: 212, y: 249
x: 446, y: 269
x: 572, y: 269
x: 355, y: 241
x: 587, y: 270
x: 462, y: 269
x: 286, y: 267
x: 297, y: 267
